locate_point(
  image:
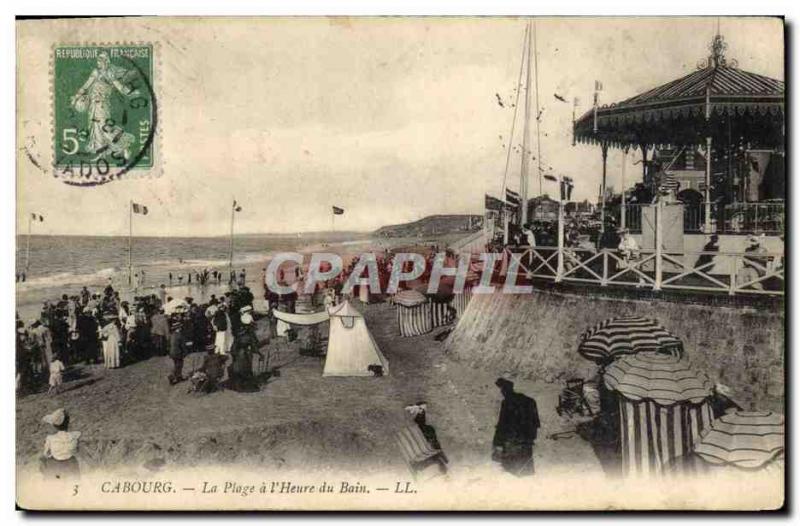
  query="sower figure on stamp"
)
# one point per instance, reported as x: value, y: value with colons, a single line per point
x: 516, y: 430
x: 94, y: 98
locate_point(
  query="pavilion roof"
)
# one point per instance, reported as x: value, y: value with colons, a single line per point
x: 751, y: 107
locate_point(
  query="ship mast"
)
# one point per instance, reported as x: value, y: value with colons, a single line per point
x: 538, y: 111
x: 526, y: 139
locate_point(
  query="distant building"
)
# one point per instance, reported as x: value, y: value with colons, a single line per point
x: 582, y: 208
x: 542, y: 208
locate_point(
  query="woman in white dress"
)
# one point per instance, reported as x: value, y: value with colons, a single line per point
x: 223, y: 334
x: 110, y: 335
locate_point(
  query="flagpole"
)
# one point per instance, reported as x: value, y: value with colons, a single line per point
x: 233, y: 212
x: 28, y: 246
x: 130, y: 243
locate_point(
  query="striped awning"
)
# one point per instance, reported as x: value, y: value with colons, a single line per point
x: 616, y: 337
x: 748, y: 440
x: 663, y: 378
x: 410, y: 298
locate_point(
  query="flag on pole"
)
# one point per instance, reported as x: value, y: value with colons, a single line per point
x: 236, y: 207
x: 566, y: 188
x: 598, y: 87
x: 139, y: 209
x: 338, y: 211
x: 492, y: 203
x: 512, y: 198
x: 37, y: 217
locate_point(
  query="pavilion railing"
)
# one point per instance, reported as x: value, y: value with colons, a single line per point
x: 633, y: 217
x: 755, y: 218
x: 741, y: 273
x: 736, y: 218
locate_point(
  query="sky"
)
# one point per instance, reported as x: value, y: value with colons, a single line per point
x: 391, y: 119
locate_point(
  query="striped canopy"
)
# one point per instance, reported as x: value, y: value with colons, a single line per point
x: 410, y: 298
x: 615, y: 337
x: 663, y: 378
x: 747, y: 440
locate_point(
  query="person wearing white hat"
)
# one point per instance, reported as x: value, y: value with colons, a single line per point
x: 753, y: 264
x: 58, y: 458
x: 246, y: 315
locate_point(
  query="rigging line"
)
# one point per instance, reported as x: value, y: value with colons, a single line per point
x: 538, y: 112
x: 514, y: 120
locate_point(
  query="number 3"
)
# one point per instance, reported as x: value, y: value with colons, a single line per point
x: 74, y: 490
x: 68, y: 136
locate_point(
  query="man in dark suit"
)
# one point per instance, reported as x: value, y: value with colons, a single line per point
x: 177, y: 349
x: 516, y: 431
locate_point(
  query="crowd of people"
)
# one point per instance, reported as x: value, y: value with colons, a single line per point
x: 101, y: 328
x: 203, y: 277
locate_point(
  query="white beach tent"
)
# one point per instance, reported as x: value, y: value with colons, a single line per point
x: 351, y: 347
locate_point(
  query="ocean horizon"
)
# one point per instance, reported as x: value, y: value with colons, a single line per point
x: 64, y: 264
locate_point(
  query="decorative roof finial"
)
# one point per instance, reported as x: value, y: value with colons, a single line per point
x: 717, y: 58
x: 717, y: 48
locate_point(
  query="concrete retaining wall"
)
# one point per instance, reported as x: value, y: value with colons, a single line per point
x: 536, y: 336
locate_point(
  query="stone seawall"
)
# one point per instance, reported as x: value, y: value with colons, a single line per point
x: 536, y: 336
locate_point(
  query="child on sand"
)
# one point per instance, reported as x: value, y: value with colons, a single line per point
x: 56, y: 370
x: 58, y: 458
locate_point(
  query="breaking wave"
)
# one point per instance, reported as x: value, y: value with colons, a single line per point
x: 69, y: 278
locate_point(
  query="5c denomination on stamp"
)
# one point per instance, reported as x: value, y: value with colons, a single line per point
x: 104, y: 112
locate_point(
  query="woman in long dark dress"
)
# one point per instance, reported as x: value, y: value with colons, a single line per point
x: 245, y: 345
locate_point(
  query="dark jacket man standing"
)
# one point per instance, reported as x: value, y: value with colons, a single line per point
x: 177, y: 350
x: 516, y: 431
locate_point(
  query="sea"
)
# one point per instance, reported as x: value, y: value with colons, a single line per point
x: 64, y: 264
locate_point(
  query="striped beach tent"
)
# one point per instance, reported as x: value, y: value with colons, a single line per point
x: 413, y: 313
x: 746, y: 440
x: 461, y: 300
x: 442, y: 310
x: 663, y: 409
x: 622, y: 336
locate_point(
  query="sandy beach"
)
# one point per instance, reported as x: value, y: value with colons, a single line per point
x: 299, y: 420
x: 131, y: 416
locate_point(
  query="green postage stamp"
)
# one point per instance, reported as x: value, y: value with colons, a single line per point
x: 104, y: 112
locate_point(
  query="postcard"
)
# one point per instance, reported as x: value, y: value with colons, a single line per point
x: 400, y: 263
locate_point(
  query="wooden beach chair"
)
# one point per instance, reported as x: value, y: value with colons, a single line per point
x: 424, y: 462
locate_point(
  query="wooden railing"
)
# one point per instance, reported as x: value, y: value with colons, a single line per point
x: 736, y: 218
x: 741, y: 273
